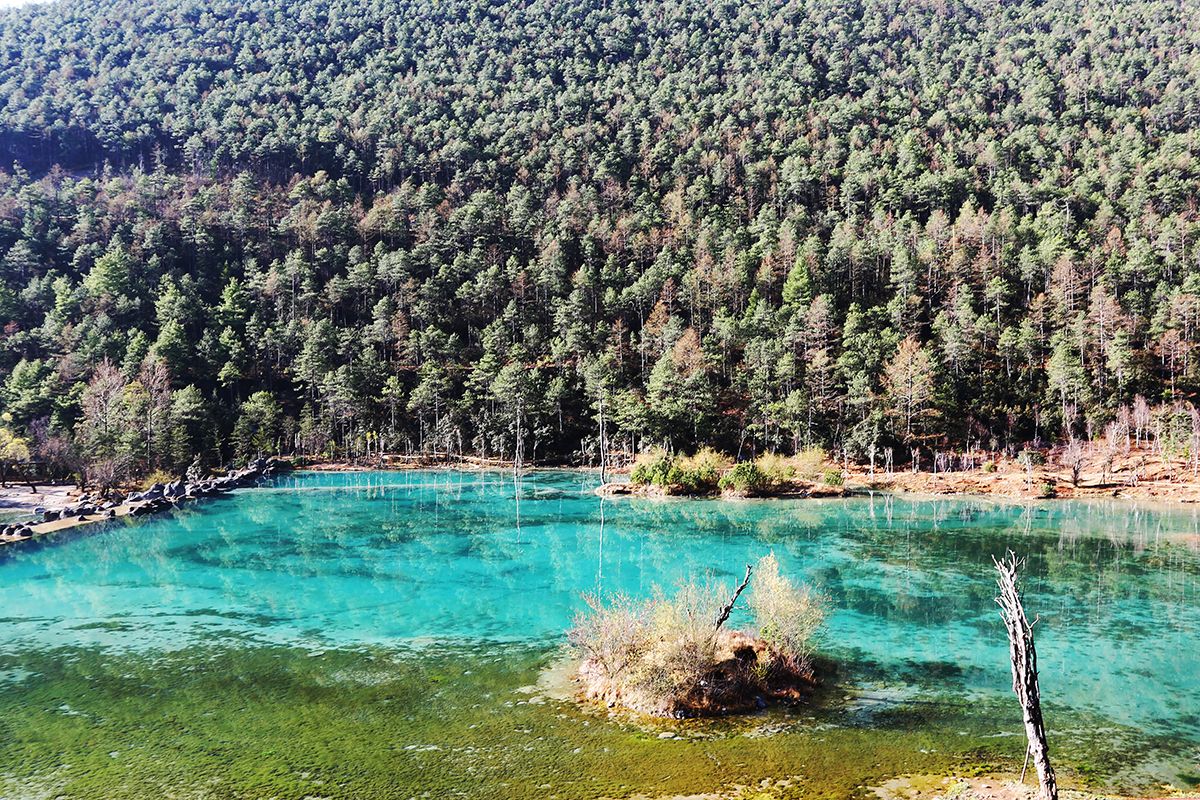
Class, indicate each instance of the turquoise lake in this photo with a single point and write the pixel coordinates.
(398, 634)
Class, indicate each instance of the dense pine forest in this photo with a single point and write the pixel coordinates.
(480, 226)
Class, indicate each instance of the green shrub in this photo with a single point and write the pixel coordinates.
(1047, 490)
(833, 477)
(651, 468)
(989, 466)
(746, 477)
(694, 474)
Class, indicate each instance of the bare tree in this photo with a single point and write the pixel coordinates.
(1072, 458)
(155, 382)
(1023, 655)
(1194, 440)
(1141, 419)
(1116, 436)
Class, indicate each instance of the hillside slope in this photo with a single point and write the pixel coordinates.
(470, 226)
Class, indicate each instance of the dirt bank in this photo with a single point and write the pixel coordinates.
(1139, 473)
(388, 462)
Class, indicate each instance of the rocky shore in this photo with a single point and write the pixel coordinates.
(156, 499)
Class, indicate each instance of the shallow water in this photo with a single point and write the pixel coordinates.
(378, 635)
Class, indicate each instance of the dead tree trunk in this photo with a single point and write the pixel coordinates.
(1024, 670)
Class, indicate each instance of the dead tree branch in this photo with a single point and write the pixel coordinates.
(727, 609)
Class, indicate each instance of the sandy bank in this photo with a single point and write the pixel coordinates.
(1136, 474)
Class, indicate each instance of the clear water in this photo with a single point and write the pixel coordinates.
(377, 634)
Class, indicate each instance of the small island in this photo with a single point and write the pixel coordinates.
(708, 472)
(675, 656)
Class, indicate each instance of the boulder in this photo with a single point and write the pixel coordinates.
(141, 509)
(16, 533)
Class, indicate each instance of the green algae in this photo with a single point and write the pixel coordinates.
(243, 721)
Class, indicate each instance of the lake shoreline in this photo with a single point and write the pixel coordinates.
(1138, 476)
(75, 509)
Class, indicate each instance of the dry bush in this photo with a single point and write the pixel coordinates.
(650, 655)
(788, 616)
(683, 644)
(775, 468)
(614, 636)
(1073, 457)
(157, 476)
(666, 656)
(809, 463)
(107, 474)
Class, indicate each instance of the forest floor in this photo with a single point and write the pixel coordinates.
(1140, 474)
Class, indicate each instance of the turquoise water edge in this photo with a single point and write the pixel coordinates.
(397, 634)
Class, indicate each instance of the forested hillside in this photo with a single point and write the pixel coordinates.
(470, 226)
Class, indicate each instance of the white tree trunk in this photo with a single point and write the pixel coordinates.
(1024, 670)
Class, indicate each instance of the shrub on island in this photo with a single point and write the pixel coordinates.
(674, 657)
(694, 474)
(708, 471)
(746, 478)
(651, 468)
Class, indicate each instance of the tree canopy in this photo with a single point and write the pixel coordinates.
(340, 226)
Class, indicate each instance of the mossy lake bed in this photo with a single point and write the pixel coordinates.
(390, 635)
